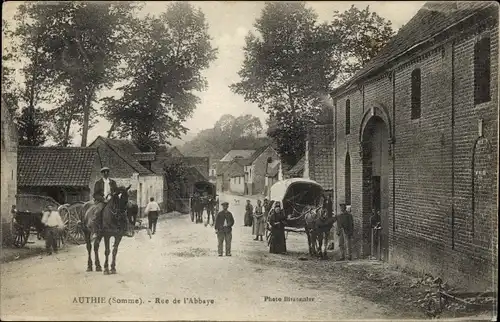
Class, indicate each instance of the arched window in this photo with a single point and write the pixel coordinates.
(348, 116)
(482, 71)
(347, 177)
(415, 94)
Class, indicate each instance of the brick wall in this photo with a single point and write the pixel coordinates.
(439, 213)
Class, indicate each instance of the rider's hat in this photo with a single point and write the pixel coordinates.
(104, 169)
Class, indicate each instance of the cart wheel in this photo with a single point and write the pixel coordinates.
(21, 236)
(72, 228)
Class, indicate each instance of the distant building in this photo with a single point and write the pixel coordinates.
(416, 137)
(236, 174)
(66, 174)
(9, 172)
(255, 168)
(130, 166)
(222, 180)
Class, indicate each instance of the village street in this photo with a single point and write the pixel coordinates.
(180, 262)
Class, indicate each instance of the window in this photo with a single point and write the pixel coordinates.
(415, 94)
(347, 116)
(482, 71)
(347, 177)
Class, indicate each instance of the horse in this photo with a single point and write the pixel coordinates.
(210, 206)
(132, 211)
(318, 226)
(113, 214)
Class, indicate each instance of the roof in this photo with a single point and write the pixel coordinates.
(257, 153)
(55, 166)
(231, 155)
(298, 167)
(235, 169)
(279, 189)
(432, 19)
(126, 149)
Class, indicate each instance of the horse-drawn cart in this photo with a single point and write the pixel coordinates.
(301, 201)
(204, 197)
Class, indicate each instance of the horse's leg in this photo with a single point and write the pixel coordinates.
(308, 233)
(320, 244)
(116, 242)
(325, 243)
(86, 233)
(97, 241)
(106, 254)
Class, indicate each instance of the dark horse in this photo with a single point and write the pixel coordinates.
(318, 226)
(114, 215)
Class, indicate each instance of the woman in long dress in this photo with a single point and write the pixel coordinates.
(277, 220)
(258, 222)
(248, 214)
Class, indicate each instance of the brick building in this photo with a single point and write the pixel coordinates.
(416, 137)
(9, 172)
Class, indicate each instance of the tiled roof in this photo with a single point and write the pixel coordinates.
(298, 168)
(231, 155)
(432, 19)
(55, 166)
(321, 155)
(125, 149)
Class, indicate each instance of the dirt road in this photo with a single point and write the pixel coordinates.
(166, 277)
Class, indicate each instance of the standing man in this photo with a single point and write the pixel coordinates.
(53, 222)
(152, 210)
(103, 189)
(224, 222)
(345, 230)
(248, 214)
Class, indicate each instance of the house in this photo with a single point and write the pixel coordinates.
(255, 168)
(130, 166)
(297, 171)
(318, 159)
(416, 137)
(222, 180)
(272, 176)
(66, 174)
(9, 172)
(236, 175)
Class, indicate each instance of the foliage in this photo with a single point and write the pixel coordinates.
(167, 57)
(175, 173)
(293, 62)
(77, 48)
(228, 133)
(363, 35)
(9, 91)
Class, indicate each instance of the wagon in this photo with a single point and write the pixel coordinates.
(295, 195)
(71, 215)
(27, 217)
(203, 192)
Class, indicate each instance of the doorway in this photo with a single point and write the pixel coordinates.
(376, 183)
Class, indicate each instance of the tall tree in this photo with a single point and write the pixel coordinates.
(287, 69)
(84, 43)
(169, 54)
(293, 62)
(9, 91)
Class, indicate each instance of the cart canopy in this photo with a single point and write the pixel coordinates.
(34, 203)
(205, 186)
(295, 193)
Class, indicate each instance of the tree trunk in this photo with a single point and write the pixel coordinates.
(66, 133)
(111, 129)
(86, 116)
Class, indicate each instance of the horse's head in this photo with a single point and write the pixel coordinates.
(120, 198)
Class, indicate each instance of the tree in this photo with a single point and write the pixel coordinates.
(82, 44)
(9, 92)
(363, 35)
(30, 127)
(293, 62)
(169, 54)
(287, 69)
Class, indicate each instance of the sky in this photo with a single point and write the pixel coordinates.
(229, 22)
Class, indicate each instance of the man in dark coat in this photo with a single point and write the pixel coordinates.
(103, 189)
(345, 230)
(224, 222)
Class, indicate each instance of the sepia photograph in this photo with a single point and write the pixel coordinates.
(249, 161)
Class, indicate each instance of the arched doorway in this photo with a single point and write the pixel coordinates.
(375, 145)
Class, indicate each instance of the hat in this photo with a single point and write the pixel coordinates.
(104, 169)
(225, 203)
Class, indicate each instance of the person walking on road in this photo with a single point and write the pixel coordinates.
(152, 210)
(345, 230)
(258, 222)
(224, 222)
(53, 222)
(248, 214)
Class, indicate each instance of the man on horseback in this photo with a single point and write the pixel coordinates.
(103, 190)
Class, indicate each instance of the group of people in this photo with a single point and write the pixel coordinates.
(263, 216)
